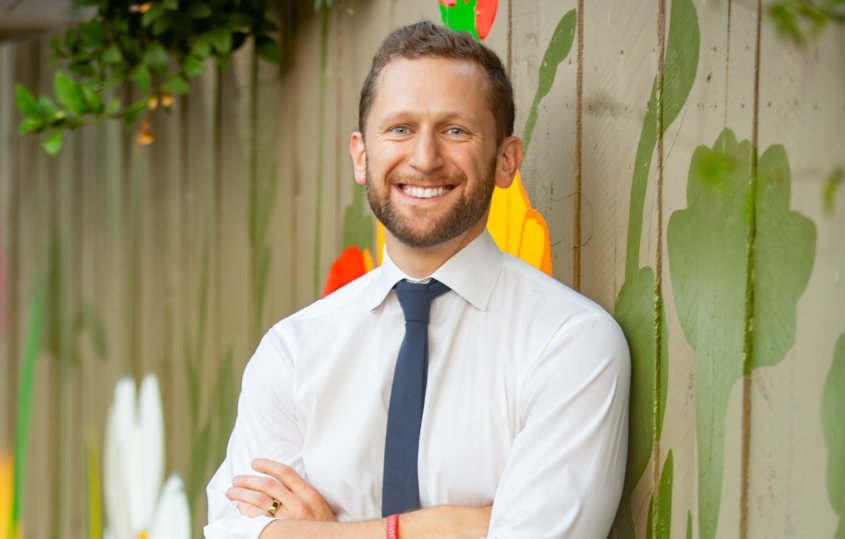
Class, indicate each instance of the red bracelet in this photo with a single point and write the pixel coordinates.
(393, 527)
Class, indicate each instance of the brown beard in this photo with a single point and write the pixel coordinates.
(467, 211)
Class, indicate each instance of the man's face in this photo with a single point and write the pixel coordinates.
(431, 150)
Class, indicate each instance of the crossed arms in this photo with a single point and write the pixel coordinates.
(305, 514)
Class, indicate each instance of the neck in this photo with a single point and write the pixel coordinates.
(421, 262)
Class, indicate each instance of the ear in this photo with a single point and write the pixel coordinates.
(508, 161)
(359, 157)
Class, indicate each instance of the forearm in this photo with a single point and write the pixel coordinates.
(442, 522)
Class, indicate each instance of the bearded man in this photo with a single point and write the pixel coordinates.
(453, 392)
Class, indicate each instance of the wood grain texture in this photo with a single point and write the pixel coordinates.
(802, 109)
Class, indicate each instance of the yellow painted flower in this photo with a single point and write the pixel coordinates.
(6, 486)
(518, 228)
(138, 506)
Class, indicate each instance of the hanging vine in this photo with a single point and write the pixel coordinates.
(154, 46)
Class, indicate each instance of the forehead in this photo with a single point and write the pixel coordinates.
(434, 86)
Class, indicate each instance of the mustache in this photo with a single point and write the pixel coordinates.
(436, 180)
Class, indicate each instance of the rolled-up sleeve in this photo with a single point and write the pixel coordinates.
(563, 477)
(265, 427)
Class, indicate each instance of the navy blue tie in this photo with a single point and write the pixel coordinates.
(401, 486)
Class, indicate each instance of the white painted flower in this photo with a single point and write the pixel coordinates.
(137, 504)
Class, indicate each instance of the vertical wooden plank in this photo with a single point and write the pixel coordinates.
(8, 189)
(699, 124)
(618, 143)
(802, 118)
(543, 34)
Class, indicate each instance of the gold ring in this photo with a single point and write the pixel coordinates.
(274, 507)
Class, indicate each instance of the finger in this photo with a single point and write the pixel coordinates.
(250, 510)
(251, 497)
(285, 474)
(264, 484)
(269, 487)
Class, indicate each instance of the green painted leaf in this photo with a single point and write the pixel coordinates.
(176, 85)
(664, 504)
(708, 259)
(53, 144)
(833, 403)
(26, 102)
(460, 17)
(556, 52)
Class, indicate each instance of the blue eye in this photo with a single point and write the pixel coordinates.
(400, 130)
(456, 131)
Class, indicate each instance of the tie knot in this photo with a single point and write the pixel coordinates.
(415, 298)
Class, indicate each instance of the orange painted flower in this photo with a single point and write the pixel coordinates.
(351, 264)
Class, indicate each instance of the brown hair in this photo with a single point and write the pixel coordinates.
(426, 39)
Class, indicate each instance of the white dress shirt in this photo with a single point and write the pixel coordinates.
(526, 406)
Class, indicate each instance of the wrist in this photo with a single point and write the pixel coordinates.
(392, 527)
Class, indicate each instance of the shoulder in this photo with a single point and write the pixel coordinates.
(542, 293)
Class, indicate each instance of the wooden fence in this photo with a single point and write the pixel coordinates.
(684, 158)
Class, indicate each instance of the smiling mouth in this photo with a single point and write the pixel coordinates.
(425, 192)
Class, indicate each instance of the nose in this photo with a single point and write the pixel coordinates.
(426, 154)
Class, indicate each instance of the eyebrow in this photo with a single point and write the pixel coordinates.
(398, 115)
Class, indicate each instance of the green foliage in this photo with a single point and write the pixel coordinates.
(800, 19)
(156, 46)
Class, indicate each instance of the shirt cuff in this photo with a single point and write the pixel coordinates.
(237, 527)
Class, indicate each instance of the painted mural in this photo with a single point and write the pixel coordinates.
(163, 264)
(833, 402)
(713, 264)
(138, 502)
(639, 304)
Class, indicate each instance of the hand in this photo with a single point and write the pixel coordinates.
(299, 501)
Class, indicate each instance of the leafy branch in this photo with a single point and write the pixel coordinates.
(154, 46)
(798, 19)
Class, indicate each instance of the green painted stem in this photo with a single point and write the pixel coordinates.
(27, 386)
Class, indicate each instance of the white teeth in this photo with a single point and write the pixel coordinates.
(420, 192)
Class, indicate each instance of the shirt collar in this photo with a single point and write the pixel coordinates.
(471, 272)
